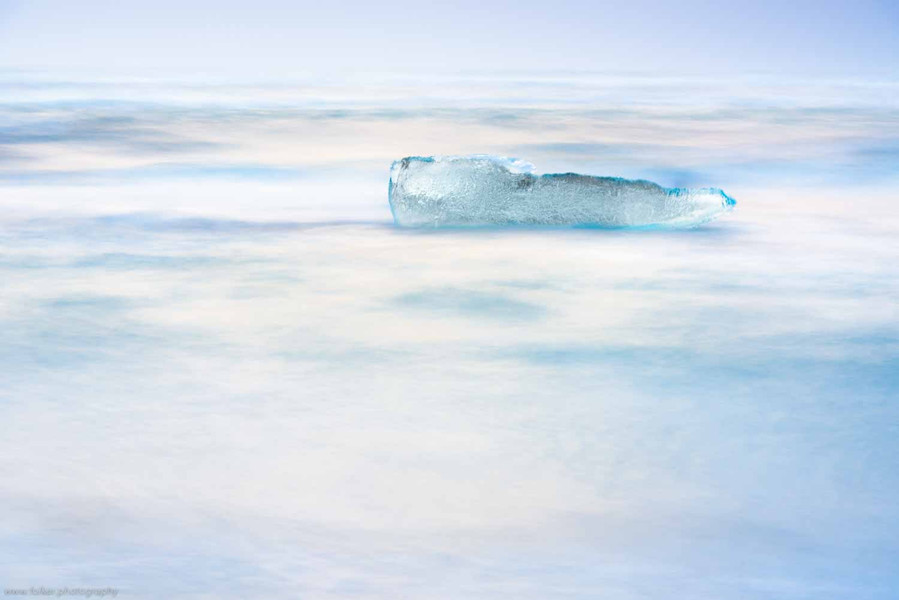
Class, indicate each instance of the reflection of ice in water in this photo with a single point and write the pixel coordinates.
(228, 393)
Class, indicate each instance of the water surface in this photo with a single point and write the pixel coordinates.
(224, 372)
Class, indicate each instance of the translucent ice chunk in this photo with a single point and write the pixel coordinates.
(458, 191)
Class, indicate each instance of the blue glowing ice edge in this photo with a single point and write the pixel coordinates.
(481, 190)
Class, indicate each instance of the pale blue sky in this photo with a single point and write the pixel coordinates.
(277, 37)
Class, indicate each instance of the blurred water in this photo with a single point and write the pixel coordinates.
(224, 372)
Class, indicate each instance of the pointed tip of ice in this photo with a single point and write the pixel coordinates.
(727, 200)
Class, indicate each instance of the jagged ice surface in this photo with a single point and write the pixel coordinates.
(458, 191)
